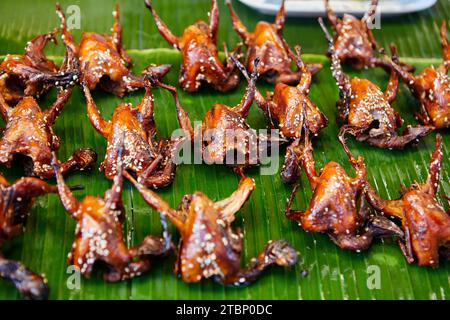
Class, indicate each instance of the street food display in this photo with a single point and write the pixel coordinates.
(346, 207)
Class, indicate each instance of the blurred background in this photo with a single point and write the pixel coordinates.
(333, 273)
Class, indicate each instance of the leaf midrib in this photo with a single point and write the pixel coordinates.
(307, 56)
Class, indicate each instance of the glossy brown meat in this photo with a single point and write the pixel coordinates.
(425, 223)
(292, 109)
(227, 137)
(134, 130)
(367, 112)
(16, 201)
(354, 42)
(209, 247)
(432, 88)
(266, 43)
(32, 73)
(198, 46)
(104, 62)
(29, 137)
(337, 206)
(98, 237)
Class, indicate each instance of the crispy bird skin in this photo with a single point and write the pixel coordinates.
(201, 63)
(226, 135)
(98, 235)
(29, 137)
(354, 42)
(132, 129)
(103, 60)
(425, 223)
(366, 111)
(209, 247)
(33, 74)
(292, 109)
(266, 43)
(337, 206)
(16, 201)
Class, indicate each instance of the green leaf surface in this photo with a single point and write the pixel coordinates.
(332, 272)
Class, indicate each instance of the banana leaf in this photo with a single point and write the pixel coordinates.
(331, 273)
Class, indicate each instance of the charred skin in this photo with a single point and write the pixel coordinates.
(425, 223)
(198, 47)
(98, 237)
(294, 112)
(29, 136)
(337, 206)
(33, 74)
(266, 43)
(131, 131)
(209, 247)
(431, 88)
(104, 62)
(367, 112)
(16, 201)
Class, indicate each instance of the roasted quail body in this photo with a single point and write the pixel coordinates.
(104, 62)
(425, 223)
(227, 137)
(367, 112)
(99, 238)
(267, 44)
(292, 109)
(431, 88)
(134, 129)
(209, 247)
(337, 206)
(201, 63)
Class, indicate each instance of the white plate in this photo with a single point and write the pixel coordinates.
(315, 8)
